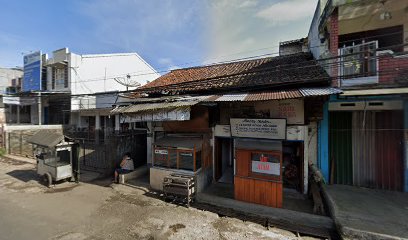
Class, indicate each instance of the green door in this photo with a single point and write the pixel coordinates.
(341, 147)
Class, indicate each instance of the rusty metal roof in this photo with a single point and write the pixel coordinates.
(46, 138)
(146, 107)
(273, 95)
(187, 101)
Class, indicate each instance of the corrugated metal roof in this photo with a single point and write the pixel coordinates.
(238, 97)
(273, 95)
(152, 106)
(231, 98)
(46, 138)
(308, 92)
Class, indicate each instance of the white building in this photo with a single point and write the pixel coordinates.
(94, 81)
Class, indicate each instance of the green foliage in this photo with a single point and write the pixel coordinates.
(2, 151)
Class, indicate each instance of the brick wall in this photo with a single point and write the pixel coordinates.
(334, 43)
(393, 70)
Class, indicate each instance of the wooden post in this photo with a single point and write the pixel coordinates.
(195, 163)
(178, 160)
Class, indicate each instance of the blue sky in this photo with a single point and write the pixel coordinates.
(166, 33)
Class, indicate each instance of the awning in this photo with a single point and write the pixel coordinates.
(22, 101)
(93, 111)
(273, 95)
(46, 138)
(149, 107)
(186, 142)
(380, 91)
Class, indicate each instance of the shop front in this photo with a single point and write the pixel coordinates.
(258, 160)
(261, 152)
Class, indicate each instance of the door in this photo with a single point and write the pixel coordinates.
(341, 147)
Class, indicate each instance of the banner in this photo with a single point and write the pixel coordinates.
(32, 72)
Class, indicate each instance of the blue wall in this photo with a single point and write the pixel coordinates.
(323, 143)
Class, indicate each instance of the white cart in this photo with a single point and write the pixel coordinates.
(54, 156)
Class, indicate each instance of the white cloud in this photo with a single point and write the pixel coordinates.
(288, 11)
(240, 30)
(168, 62)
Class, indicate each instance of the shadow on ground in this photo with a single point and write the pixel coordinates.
(25, 175)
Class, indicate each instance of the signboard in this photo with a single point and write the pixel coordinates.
(161, 151)
(32, 72)
(222, 131)
(258, 128)
(291, 109)
(266, 167)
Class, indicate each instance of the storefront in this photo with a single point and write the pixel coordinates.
(366, 137)
(260, 152)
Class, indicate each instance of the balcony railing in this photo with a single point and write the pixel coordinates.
(358, 64)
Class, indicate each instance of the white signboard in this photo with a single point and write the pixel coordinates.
(23, 101)
(258, 128)
(222, 131)
(161, 151)
(266, 168)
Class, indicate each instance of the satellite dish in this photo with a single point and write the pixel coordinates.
(127, 81)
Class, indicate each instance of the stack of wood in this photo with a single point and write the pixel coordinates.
(179, 187)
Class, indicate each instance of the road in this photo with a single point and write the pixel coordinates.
(99, 210)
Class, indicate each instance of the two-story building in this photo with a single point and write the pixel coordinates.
(363, 136)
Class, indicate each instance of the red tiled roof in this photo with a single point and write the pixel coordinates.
(296, 68)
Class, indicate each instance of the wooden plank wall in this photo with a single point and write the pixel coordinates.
(258, 191)
(254, 188)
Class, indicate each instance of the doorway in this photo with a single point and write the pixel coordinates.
(224, 169)
(293, 165)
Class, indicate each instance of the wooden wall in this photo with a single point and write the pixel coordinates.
(257, 191)
(256, 188)
(198, 124)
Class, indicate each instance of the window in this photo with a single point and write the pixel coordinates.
(174, 158)
(60, 78)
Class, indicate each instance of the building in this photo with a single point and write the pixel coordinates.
(73, 91)
(363, 134)
(10, 82)
(244, 124)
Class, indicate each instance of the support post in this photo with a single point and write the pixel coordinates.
(117, 123)
(97, 126)
(406, 146)
(39, 109)
(18, 114)
(149, 142)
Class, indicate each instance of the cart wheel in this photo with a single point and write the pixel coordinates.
(47, 179)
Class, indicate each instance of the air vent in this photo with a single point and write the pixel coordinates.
(375, 103)
(347, 104)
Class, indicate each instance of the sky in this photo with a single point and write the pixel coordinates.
(168, 34)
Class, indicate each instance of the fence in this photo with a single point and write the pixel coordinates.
(105, 155)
